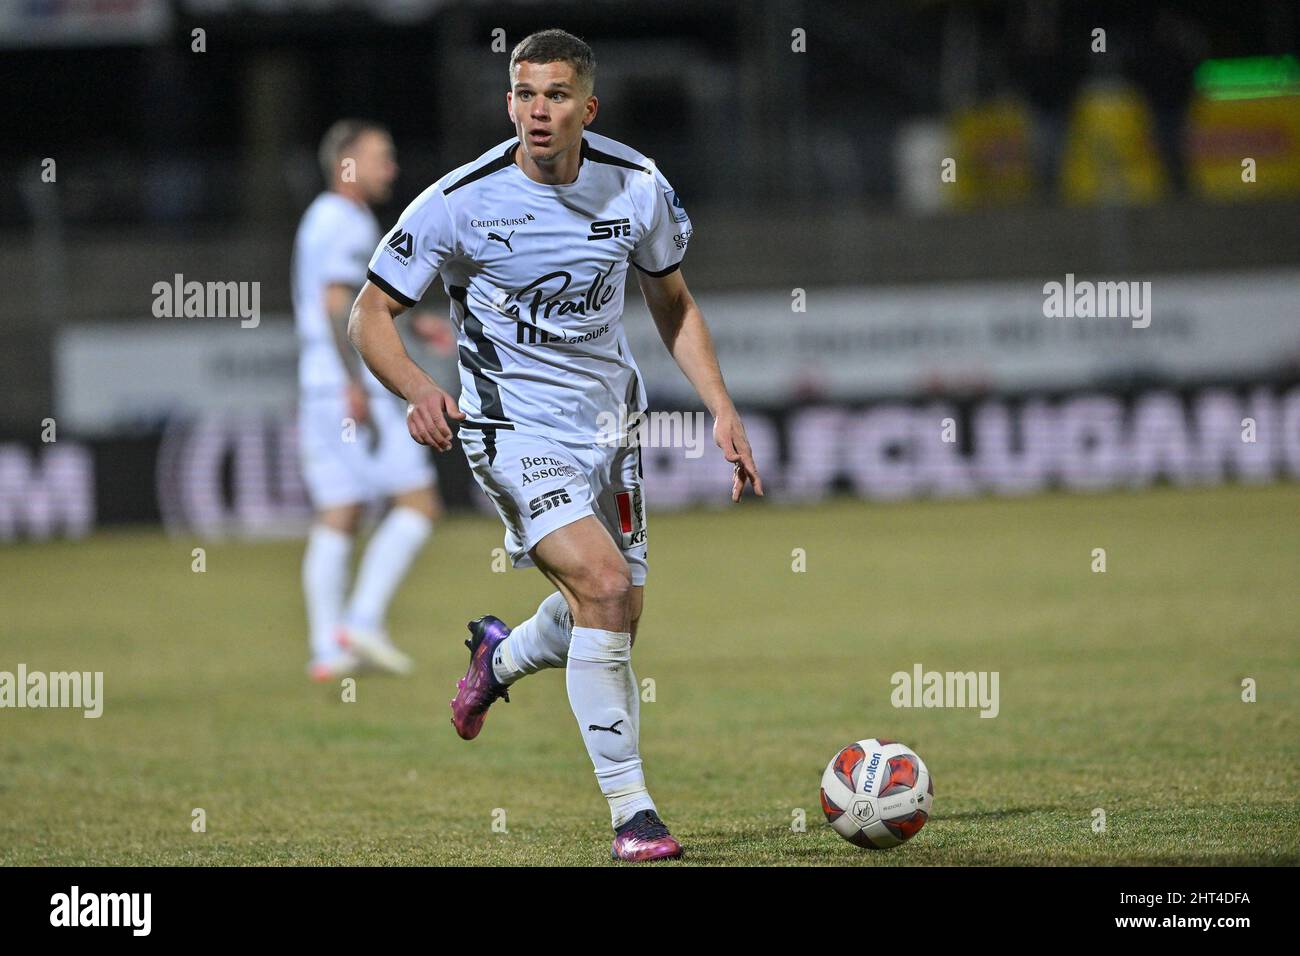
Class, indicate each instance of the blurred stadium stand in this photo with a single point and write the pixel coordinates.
(813, 169)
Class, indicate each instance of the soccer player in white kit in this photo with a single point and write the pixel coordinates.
(533, 241)
(352, 433)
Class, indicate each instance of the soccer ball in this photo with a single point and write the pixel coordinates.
(877, 793)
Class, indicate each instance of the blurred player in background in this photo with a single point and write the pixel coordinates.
(352, 432)
(534, 241)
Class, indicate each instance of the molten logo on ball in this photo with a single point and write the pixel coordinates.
(898, 808)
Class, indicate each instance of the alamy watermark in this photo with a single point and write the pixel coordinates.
(129, 910)
(1086, 299)
(81, 690)
(179, 299)
(922, 688)
(628, 429)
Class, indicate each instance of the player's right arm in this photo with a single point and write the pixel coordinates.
(401, 269)
(373, 331)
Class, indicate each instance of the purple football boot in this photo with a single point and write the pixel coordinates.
(479, 687)
(645, 837)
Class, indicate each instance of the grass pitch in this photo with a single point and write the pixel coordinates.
(1119, 690)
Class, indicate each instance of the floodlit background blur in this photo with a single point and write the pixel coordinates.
(880, 193)
(902, 213)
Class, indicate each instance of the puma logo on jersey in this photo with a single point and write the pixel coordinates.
(501, 239)
(610, 728)
(610, 228)
(551, 499)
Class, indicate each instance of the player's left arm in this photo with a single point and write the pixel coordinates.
(681, 325)
(338, 308)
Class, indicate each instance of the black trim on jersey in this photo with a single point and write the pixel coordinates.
(662, 272)
(596, 156)
(388, 287)
(489, 430)
(482, 361)
(507, 159)
(504, 161)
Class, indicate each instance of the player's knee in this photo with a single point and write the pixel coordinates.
(344, 518)
(607, 588)
(425, 501)
(616, 588)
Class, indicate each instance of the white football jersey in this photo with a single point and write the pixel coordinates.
(333, 245)
(536, 275)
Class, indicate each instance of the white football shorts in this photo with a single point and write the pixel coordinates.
(539, 485)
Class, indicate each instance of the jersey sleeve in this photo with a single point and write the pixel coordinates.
(662, 246)
(409, 256)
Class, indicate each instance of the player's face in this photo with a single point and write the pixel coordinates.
(376, 159)
(549, 109)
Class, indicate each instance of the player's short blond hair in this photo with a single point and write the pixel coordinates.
(338, 139)
(551, 46)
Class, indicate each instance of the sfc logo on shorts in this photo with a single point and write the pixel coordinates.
(545, 502)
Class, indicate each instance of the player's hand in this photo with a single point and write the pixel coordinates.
(429, 415)
(729, 433)
(358, 403)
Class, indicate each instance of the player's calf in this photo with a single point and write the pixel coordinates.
(540, 642)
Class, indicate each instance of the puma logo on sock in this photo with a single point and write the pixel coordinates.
(610, 728)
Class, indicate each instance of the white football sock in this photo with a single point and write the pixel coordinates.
(388, 557)
(603, 695)
(541, 641)
(324, 582)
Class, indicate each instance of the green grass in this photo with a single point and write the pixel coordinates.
(1119, 690)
